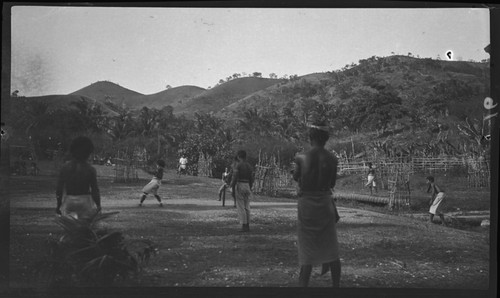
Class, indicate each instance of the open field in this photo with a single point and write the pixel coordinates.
(199, 245)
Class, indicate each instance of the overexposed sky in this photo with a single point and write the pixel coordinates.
(144, 49)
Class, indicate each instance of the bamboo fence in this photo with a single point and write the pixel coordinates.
(270, 177)
(205, 166)
(427, 164)
(126, 170)
(399, 189)
(394, 175)
(478, 173)
(389, 171)
(438, 164)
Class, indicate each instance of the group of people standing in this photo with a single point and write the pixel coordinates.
(315, 171)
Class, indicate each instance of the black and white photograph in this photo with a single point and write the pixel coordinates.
(244, 150)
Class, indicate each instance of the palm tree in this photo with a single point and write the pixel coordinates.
(94, 115)
(122, 125)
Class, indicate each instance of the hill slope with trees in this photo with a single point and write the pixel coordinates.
(390, 106)
(215, 99)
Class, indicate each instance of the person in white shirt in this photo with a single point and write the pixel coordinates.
(182, 164)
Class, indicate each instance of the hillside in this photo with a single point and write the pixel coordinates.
(215, 99)
(461, 86)
(104, 91)
(58, 102)
(398, 104)
(269, 99)
(172, 96)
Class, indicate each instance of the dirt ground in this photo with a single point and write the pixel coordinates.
(200, 246)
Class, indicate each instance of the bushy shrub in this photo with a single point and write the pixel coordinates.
(89, 255)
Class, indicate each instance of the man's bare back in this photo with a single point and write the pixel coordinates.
(316, 170)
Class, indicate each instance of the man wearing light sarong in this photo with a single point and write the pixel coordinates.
(77, 193)
(241, 185)
(437, 197)
(315, 172)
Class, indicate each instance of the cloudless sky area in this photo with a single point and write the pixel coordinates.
(146, 49)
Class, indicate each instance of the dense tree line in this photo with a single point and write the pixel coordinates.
(357, 99)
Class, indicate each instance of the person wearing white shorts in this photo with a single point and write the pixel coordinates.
(371, 178)
(155, 183)
(182, 164)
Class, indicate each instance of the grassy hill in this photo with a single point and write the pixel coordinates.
(217, 98)
(460, 85)
(104, 91)
(429, 99)
(433, 97)
(173, 96)
(184, 99)
(108, 92)
(58, 102)
(272, 98)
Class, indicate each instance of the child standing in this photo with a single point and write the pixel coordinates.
(222, 189)
(371, 178)
(154, 184)
(437, 198)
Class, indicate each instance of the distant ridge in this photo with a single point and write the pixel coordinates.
(460, 85)
(215, 99)
(61, 102)
(170, 96)
(417, 81)
(103, 91)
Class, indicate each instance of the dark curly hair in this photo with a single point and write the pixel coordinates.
(81, 148)
(242, 154)
(318, 135)
(161, 163)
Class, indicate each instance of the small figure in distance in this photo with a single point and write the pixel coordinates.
(371, 178)
(225, 184)
(437, 197)
(183, 161)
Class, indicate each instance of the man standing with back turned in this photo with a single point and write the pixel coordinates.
(241, 184)
(316, 171)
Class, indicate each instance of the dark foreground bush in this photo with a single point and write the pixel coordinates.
(89, 255)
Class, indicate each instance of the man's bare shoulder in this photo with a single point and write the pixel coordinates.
(322, 152)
